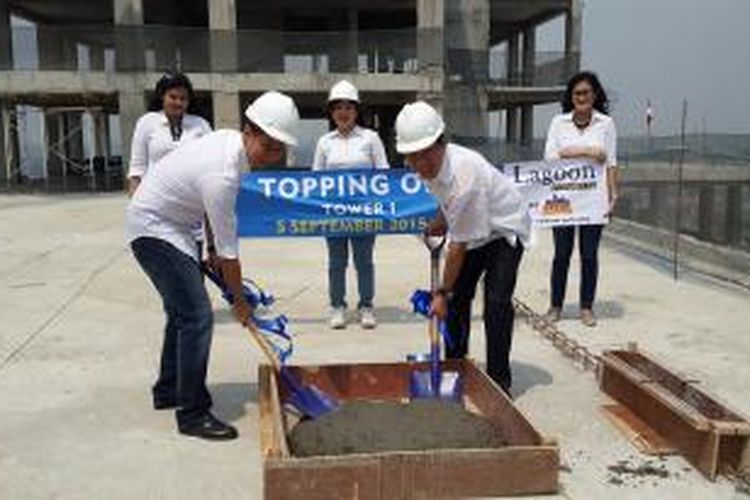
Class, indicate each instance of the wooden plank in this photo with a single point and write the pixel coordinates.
(470, 473)
(681, 387)
(322, 478)
(272, 436)
(685, 411)
(428, 474)
(695, 445)
(638, 432)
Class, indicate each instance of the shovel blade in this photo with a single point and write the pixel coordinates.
(421, 386)
(309, 400)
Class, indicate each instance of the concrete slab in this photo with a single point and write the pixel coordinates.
(80, 332)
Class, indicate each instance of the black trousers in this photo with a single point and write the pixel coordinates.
(588, 247)
(498, 261)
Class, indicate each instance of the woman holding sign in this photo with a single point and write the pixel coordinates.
(349, 145)
(583, 130)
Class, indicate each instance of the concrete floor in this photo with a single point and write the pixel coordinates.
(80, 337)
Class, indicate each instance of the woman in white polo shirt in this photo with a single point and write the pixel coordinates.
(349, 145)
(583, 130)
(167, 125)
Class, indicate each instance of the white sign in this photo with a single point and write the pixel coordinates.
(562, 192)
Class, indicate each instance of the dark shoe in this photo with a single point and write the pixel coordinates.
(162, 403)
(208, 427)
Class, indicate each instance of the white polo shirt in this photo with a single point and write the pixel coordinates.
(599, 133)
(480, 204)
(152, 139)
(200, 177)
(361, 148)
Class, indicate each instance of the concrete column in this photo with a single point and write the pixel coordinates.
(734, 214)
(226, 110)
(430, 32)
(512, 124)
(4, 171)
(53, 125)
(6, 52)
(573, 24)
(74, 136)
(222, 21)
(130, 45)
(706, 203)
(222, 16)
(132, 104)
(430, 46)
(467, 30)
(513, 61)
(101, 134)
(527, 125)
(529, 56)
(10, 164)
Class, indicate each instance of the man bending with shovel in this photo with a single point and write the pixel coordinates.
(201, 179)
(487, 225)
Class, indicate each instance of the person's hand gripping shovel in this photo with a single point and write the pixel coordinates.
(434, 383)
(308, 400)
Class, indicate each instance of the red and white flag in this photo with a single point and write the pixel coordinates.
(649, 114)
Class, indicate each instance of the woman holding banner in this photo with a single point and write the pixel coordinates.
(583, 130)
(349, 145)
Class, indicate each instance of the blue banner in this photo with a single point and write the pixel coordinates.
(333, 203)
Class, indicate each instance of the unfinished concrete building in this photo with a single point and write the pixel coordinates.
(87, 68)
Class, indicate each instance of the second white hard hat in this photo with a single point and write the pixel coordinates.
(276, 115)
(343, 91)
(418, 126)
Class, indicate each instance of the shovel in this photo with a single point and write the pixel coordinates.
(435, 383)
(309, 400)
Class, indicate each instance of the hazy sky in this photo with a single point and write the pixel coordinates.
(667, 50)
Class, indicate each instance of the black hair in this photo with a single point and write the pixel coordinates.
(601, 103)
(172, 80)
(360, 120)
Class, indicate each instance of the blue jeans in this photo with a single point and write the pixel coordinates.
(588, 247)
(338, 259)
(187, 335)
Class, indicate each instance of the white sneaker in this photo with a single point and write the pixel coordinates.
(367, 318)
(338, 318)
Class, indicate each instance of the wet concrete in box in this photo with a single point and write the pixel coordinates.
(379, 426)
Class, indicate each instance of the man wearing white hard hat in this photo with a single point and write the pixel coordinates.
(198, 182)
(349, 145)
(487, 225)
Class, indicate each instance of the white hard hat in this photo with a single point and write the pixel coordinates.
(343, 91)
(418, 126)
(276, 115)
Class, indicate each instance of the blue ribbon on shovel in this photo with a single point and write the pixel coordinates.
(273, 328)
(420, 301)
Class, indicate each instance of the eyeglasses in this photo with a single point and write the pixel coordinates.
(583, 92)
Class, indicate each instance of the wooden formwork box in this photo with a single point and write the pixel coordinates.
(661, 403)
(528, 465)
